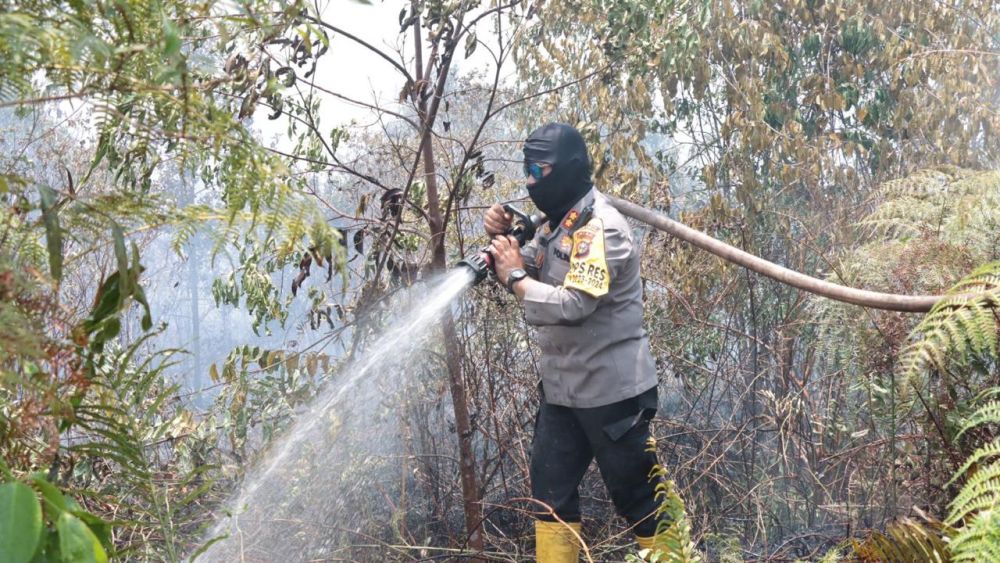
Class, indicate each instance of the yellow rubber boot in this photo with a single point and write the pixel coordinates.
(646, 545)
(556, 542)
(645, 542)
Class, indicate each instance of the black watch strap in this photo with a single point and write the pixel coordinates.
(512, 279)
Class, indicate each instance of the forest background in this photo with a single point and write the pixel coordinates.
(193, 242)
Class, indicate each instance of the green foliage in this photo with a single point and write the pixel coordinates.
(20, 522)
(905, 540)
(971, 531)
(262, 387)
(42, 525)
(265, 243)
(81, 392)
(53, 234)
(603, 65)
(165, 105)
(924, 232)
(127, 415)
(672, 542)
(975, 511)
(951, 204)
(77, 542)
(960, 331)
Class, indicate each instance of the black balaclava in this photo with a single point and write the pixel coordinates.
(560, 146)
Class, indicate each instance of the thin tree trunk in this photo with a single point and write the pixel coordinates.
(463, 424)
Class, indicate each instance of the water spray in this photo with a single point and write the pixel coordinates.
(522, 228)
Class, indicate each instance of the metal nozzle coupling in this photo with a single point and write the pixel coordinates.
(522, 227)
(481, 263)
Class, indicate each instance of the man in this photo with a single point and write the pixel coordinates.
(579, 283)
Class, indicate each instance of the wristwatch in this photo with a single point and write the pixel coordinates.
(515, 275)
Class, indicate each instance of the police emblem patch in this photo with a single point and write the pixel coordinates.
(583, 244)
(588, 265)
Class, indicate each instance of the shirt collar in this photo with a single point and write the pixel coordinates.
(569, 220)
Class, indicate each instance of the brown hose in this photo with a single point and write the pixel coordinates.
(873, 299)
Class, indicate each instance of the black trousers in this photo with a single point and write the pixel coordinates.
(567, 439)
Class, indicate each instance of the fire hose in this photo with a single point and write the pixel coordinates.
(523, 228)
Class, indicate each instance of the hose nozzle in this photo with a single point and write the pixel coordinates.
(481, 264)
(522, 228)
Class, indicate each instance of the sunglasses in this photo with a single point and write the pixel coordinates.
(534, 169)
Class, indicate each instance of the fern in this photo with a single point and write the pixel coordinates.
(672, 543)
(931, 225)
(923, 232)
(959, 329)
(903, 542)
(126, 415)
(976, 508)
(947, 202)
(979, 539)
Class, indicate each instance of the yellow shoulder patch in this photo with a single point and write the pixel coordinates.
(588, 265)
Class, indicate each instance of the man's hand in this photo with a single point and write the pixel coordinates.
(506, 256)
(496, 220)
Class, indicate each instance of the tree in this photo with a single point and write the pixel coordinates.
(141, 86)
(787, 115)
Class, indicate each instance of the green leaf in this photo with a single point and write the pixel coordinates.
(53, 234)
(122, 256)
(77, 543)
(20, 523)
(56, 502)
(100, 527)
(137, 292)
(107, 300)
(171, 39)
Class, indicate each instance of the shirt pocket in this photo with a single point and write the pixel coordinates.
(556, 269)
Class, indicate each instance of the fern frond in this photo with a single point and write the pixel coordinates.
(904, 541)
(672, 542)
(990, 450)
(982, 485)
(979, 539)
(958, 329)
(977, 505)
(988, 413)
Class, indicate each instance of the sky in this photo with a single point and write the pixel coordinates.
(352, 70)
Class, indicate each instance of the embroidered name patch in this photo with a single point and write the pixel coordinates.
(588, 265)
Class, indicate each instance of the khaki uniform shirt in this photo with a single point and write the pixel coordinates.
(589, 314)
